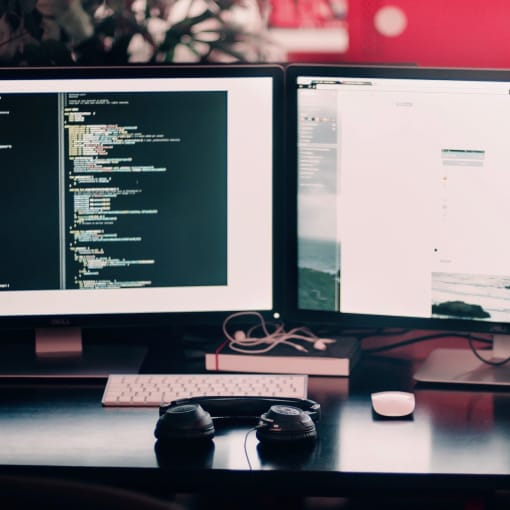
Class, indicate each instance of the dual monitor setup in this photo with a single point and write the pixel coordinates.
(354, 196)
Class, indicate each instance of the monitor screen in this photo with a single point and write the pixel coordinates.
(137, 192)
(402, 196)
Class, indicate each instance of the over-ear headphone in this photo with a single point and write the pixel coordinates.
(279, 421)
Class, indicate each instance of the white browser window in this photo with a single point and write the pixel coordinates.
(422, 194)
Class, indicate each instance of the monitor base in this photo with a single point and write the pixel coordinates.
(461, 366)
(94, 361)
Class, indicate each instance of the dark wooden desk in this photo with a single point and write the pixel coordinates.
(458, 440)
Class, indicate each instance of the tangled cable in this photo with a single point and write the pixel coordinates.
(247, 342)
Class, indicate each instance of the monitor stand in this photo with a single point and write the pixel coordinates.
(61, 353)
(461, 366)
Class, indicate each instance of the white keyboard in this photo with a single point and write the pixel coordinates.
(153, 390)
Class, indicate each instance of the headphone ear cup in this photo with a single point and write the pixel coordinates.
(187, 422)
(284, 424)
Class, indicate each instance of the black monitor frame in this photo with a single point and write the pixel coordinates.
(342, 320)
(65, 322)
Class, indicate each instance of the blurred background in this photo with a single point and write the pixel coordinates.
(453, 33)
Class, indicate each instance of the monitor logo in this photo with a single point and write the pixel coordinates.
(60, 322)
(499, 328)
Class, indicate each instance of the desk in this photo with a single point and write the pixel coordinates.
(458, 440)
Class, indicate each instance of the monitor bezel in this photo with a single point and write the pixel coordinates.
(343, 320)
(173, 318)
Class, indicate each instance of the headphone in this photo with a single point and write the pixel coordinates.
(280, 421)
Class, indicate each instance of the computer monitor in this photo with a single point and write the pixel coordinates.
(137, 194)
(402, 200)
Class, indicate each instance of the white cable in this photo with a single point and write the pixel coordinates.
(248, 343)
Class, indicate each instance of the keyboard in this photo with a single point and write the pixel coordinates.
(153, 390)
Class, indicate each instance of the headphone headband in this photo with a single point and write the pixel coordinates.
(245, 407)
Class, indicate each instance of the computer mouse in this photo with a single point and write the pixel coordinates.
(393, 404)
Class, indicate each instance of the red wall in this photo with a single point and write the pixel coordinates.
(454, 33)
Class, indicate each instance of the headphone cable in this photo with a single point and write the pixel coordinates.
(245, 446)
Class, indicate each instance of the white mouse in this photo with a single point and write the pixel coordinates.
(393, 404)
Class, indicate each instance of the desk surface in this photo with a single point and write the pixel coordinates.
(457, 439)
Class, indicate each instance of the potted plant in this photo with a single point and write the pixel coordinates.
(117, 32)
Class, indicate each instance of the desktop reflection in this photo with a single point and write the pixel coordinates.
(386, 445)
(471, 430)
(231, 440)
(225, 451)
(289, 456)
(184, 456)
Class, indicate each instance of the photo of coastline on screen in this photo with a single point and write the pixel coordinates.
(318, 248)
(471, 296)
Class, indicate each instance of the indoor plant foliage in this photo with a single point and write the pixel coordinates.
(63, 32)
